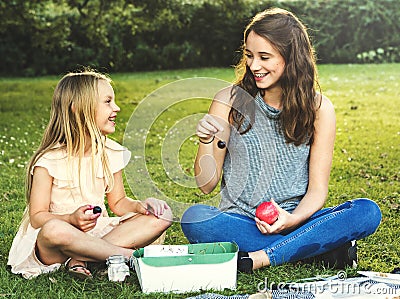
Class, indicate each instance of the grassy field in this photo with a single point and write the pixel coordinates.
(366, 164)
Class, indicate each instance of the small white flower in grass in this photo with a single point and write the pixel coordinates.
(53, 280)
(11, 161)
(12, 138)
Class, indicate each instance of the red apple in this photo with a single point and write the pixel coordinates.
(267, 212)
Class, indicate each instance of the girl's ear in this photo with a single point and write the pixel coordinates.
(73, 108)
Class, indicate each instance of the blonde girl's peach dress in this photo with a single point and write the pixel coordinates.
(69, 192)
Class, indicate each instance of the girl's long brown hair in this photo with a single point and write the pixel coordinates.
(299, 79)
(71, 126)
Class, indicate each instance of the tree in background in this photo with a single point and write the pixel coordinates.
(51, 37)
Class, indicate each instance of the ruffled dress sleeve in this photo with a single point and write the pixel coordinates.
(118, 155)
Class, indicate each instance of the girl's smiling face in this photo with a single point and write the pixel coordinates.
(264, 61)
(107, 109)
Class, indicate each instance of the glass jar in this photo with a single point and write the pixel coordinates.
(117, 268)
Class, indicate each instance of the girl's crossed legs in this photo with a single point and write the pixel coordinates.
(326, 230)
(58, 240)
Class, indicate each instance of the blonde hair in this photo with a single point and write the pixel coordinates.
(72, 124)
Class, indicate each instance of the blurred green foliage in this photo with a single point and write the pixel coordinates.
(389, 54)
(50, 37)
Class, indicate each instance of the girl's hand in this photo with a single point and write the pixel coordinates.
(81, 220)
(207, 127)
(285, 221)
(153, 206)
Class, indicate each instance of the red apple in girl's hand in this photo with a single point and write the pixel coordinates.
(267, 212)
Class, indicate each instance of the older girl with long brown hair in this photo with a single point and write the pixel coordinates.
(270, 137)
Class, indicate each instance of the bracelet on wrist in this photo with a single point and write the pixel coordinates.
(207, 141)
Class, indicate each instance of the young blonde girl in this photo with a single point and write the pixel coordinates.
(72, 171)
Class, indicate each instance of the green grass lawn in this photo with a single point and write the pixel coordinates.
(366, 164)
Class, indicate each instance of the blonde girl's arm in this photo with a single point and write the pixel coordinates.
(39, 204)
(39, 201)
(213, 127)
(120, 204)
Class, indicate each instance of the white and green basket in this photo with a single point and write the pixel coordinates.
(186, 268)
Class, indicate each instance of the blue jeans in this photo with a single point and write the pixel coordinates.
(325, 230)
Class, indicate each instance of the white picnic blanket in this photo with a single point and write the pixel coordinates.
(375, 285)
(372, 285)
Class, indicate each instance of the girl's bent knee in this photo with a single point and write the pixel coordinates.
(161, 223)
(199, 213)
(165, 220)
(370, 210)
(368, 207)
(55, 232)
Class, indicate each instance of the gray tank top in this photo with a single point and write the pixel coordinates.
(260, 165)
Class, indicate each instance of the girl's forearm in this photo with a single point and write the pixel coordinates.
(311, 203)
(206, 169)
(38, 219)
